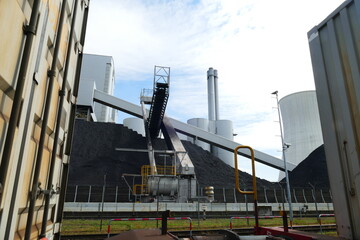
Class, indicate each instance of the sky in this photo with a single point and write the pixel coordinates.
(257, 46)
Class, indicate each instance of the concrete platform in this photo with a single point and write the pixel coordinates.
(149, 234)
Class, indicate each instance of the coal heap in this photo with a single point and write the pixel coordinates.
(312, 170)
(93, 155)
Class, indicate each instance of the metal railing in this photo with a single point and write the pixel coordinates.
(237, 184)
(319, 220)
(93, 193)
(149, 219)
(250, 217)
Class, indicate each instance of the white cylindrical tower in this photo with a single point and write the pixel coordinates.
(224, 128)
(135, 124)
(211, 94)
(301, 122)
(203, 124)
(216, 90)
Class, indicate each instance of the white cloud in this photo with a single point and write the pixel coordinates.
(258, 46)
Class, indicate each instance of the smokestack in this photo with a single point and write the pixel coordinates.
(216, 94)
(211, 94)
(213, 101)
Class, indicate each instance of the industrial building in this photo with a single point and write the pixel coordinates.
(40, 64)
(301, 122)
(214, 124)
(97, 72)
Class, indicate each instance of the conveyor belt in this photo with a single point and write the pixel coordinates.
(157, 109)
(191, 131)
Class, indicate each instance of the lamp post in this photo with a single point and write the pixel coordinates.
(284, 147)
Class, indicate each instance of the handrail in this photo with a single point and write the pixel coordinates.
(323, 215)
(148, 219)
(237, 184)
(247, 217)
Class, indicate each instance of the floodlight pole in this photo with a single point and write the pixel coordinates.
(284, 147)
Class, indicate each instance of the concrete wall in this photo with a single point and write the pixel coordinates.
(14, 15)
(189, 207)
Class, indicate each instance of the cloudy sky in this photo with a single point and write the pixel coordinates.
(257, 46)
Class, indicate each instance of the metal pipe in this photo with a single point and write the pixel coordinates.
(57, 124)
(65, 170)
(39, 156)
(284, 147)
(30, 32)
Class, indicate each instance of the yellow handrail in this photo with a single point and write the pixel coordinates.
(237, 184)
(254, 191)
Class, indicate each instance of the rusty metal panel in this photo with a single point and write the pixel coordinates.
(335, 53)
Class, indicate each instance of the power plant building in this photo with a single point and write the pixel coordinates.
(213, 124)
(302, 128)
(97, 72)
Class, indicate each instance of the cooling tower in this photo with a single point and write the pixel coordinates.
(301, 122)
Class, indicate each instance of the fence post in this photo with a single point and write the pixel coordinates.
(295, 195)
(89, 193)
(266, 199)
(235, 195)
(76, 189)
(304, 195)
(165, 215)
(247, 208)
(102, 202)
(322, 196)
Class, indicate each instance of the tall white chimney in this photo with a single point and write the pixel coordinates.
(216, 95)
(211, 94)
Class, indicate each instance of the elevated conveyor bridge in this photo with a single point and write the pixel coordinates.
(191, 131)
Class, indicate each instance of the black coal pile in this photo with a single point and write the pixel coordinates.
(94, 155)
(312, 170)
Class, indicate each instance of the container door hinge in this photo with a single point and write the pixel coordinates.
(49, 192)
(51, 73)
(85, 3)
(78, 48)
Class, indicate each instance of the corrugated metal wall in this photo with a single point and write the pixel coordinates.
(19, 172)
(335, 54)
